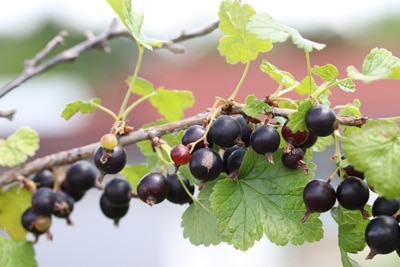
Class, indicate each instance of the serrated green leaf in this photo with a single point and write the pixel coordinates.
(17, 253)
(350, 109)
(347, 86)
(374, 149)
(328, 72)
(347, 261)
(297, 118)
(351, 229)
(134, 172)
(254, 107)
(199, 223)
(18, 147)
(13, 203)
(378, 64)
(83, 107)
(133, 20)
(266, 28)
(171, 103)
(281, 77)
(238, 45)
(306, 87)
(141, 86)
(266, 199)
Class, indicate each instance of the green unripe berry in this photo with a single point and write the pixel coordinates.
(108, 141)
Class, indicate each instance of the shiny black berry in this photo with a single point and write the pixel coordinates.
(110, 162)
(177, 192)
(225, 131)
(118, 191)
(318, 196)
(44, 178)
(205, 164)
(265, 140)
(352, 193)
(111, 211)
(153, 188)
(81, 176)
(43, 201)
(320, 120)
(382, 235)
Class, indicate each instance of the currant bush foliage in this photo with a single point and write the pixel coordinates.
(264, 199)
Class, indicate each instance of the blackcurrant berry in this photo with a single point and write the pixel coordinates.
(225, 156)
(225, 131)
(320, 120)
(385, 206)
(43, 201)
(247, 129)
(382, 235)
(111, 211)
(118, 191)
(352, 193)
(318, 196)
(35, 223)
(265, 140)
(44, 178)
(293, 138)
(205, 164)
(311, 140)
(76, 195)
(110, 162)
(177, 193)
(64, 205)
(235, 159)
(180, 154)
(295, 160)
(153, 188)
(194, 133)
(81, 176)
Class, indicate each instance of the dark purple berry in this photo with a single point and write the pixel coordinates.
(265, 140)
(205, 164)
(177, 193)
(111, 211)
(43, 201)
(382, 235)
(225, 131)
(352, 193)
(44, 178)
(118, 191)
(153, 188)
(81, 176)
(194, 133)
(318, 196)
(320, 120)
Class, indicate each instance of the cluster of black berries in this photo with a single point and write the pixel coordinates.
(52, 199)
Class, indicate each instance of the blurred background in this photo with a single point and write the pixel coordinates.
(152, 236)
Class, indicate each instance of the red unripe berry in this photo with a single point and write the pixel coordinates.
(180, 154)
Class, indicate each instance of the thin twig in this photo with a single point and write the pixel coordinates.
(85, 152)
(8, 114)
(35, 66)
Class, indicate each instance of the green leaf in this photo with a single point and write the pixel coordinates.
(254, 107)
(171, 103)
(134, 172)
(347, 261)
(17, 253)
(198, 222)
(266, 199)
(13, 203)
(281, 77)
(238, 44)
(83, 107)
(328, 72)
(274, 31)
(350, 109)
(141, 86)
(297, 118)
(307, 86)
(133, 20)
(375, 150)
(351, 229)
(378, 64)
(18, 147)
